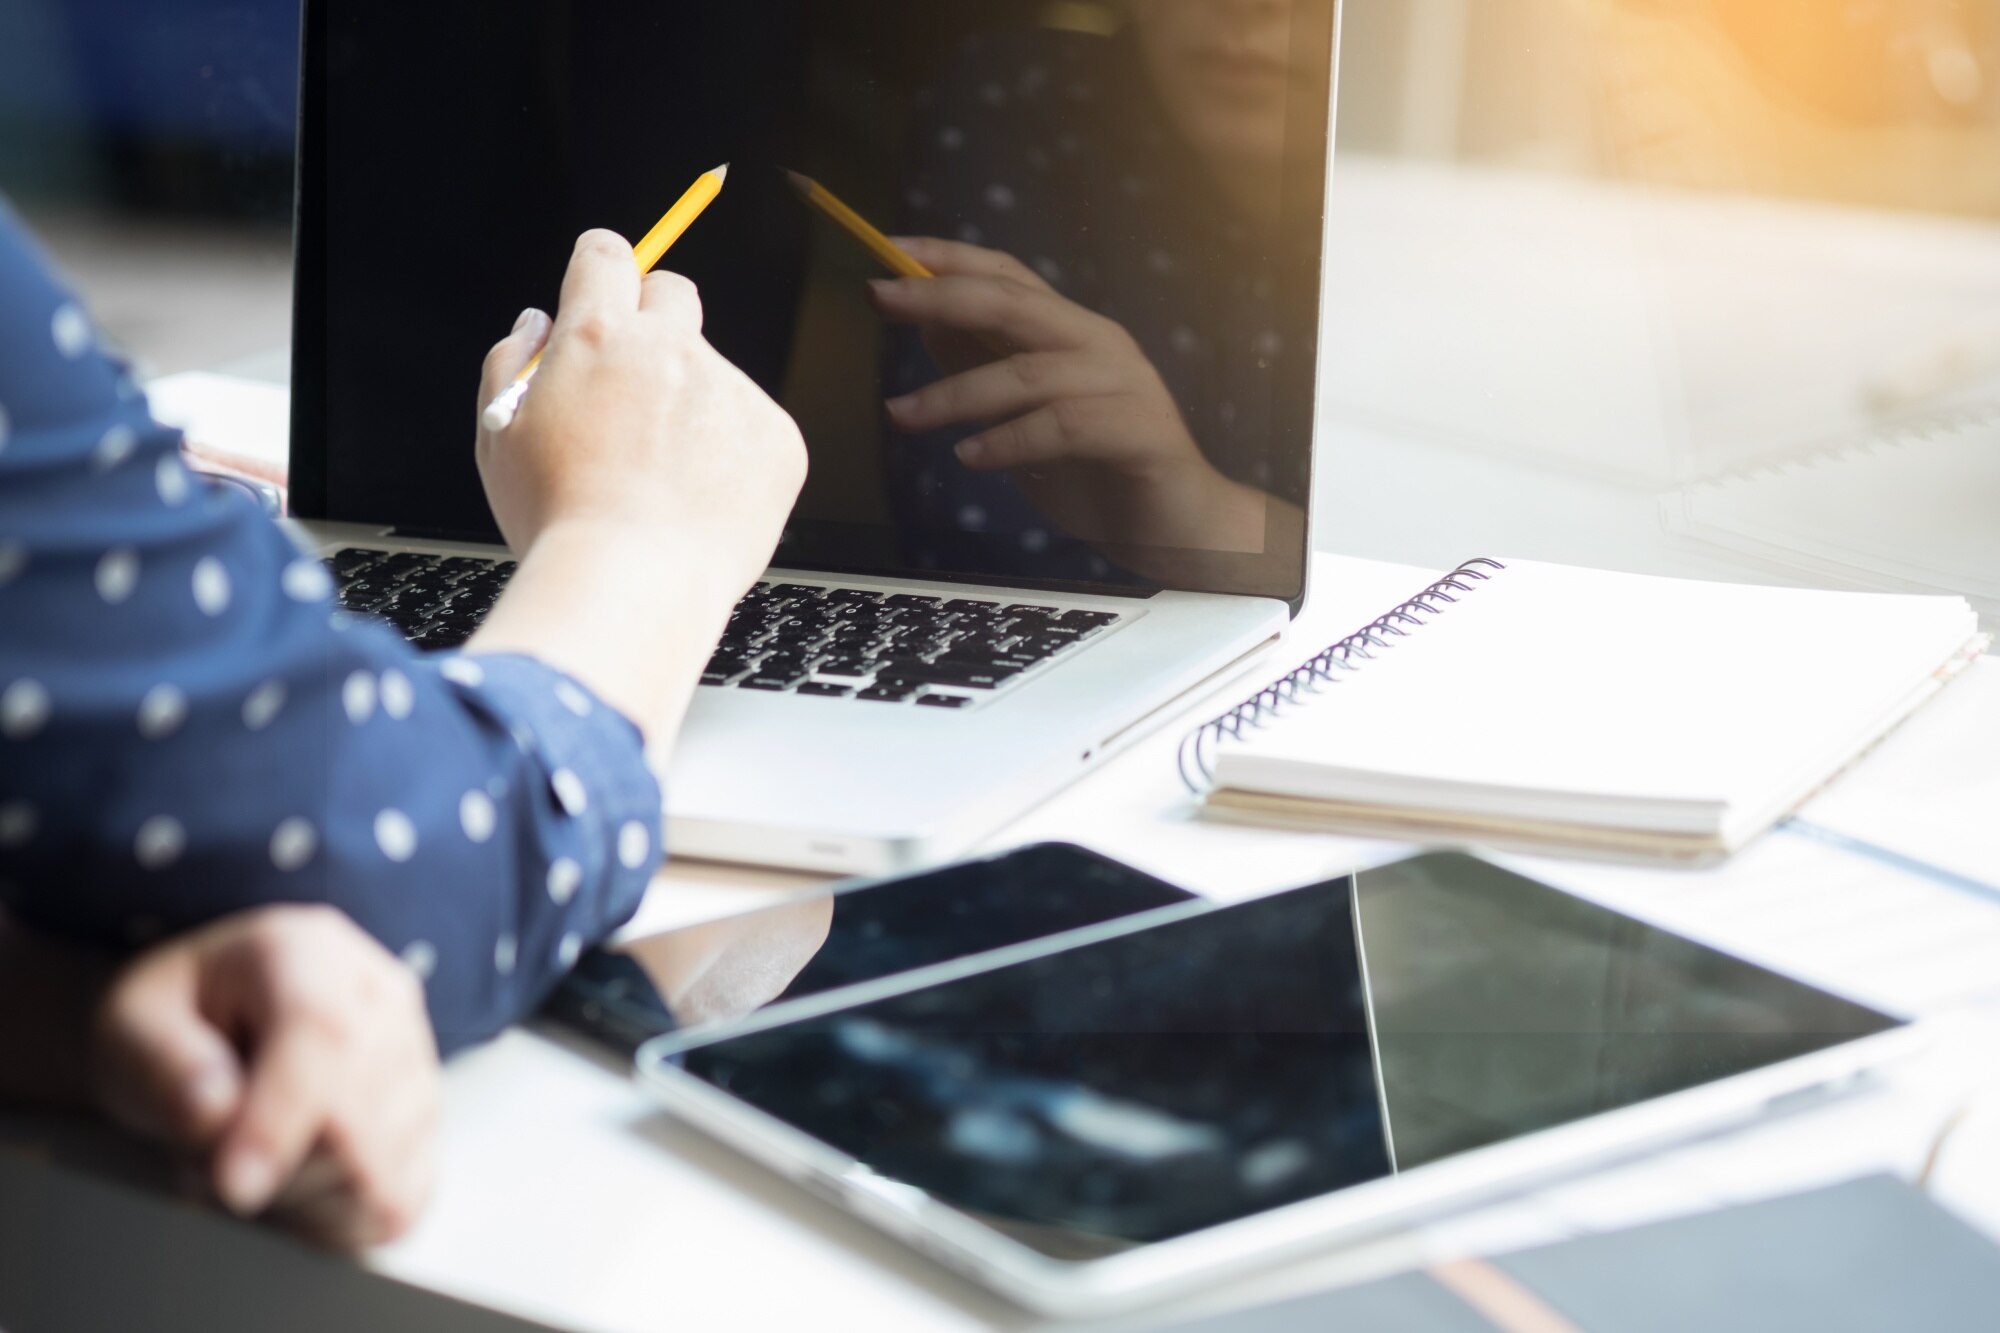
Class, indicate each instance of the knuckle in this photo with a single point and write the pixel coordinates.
(592, 330)
(1030, 372)
(1067, 419)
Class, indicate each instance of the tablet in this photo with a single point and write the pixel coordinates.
(1115, 1114)
(692, 977)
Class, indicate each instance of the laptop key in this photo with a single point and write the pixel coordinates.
(828, 689)
(351, 560)
(774, 683)
(944, 701)
(888, 694)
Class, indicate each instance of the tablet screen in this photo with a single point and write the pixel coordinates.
(1209, 1067)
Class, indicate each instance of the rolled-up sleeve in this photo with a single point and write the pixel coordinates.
(188, 727)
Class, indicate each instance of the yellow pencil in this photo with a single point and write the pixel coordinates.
(652, 247)
(893, 256)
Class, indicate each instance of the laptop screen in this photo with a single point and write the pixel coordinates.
(1127, 194)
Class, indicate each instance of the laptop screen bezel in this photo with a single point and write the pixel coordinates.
(1303, 230)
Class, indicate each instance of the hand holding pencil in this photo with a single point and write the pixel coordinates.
(652, 247)
(638, 434)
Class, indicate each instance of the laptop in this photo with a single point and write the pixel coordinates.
(935, 648)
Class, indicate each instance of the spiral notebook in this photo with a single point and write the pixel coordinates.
(1551, 708)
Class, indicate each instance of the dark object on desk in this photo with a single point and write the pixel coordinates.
(875, 931)
(1861, 1257)
(81, 1254)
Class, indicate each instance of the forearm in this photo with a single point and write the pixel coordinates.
(634, 615)
(48, 995)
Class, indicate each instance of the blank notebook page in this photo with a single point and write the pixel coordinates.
(1554, 692)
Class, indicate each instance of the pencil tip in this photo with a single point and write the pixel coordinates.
(721, 173)
(800, 181)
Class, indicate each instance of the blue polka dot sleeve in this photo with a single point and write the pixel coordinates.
(187, 728)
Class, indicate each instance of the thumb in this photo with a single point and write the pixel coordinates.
(511, 355)
(164, 1070)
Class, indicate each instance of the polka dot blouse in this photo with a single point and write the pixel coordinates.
(188, 728)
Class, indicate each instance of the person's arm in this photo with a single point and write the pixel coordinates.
(186, 730)
(283, 1049)
(645, 480)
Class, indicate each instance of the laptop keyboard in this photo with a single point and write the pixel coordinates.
(797, 638)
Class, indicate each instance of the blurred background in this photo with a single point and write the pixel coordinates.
(1705, 287)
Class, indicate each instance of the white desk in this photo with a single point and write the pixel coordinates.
(565, 1196)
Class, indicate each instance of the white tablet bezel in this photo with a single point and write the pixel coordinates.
(1156, 1272)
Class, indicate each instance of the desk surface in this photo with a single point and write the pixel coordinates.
(565, 1196)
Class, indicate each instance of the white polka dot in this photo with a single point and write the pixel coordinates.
(421, 958)
(114, 448)
(71, 329)
(992, 94)
(263, 704)
(160, 842)
(1051, 271)
(505, 950)
(18, 822)
(117, 574)
(1185, 340)
(1267, 344)
(524, 739)
(1160, 261)
(357, 697)
(568, 950)
(565, 878)
(462, 671)
(569, 791)
(972, 518)
(918, 198)
(999, 198)
(971, 234)
(476, 815)
(634, 844)
(395, 835)
(951, 138)
(161, 712)
(211, 586)
(171, 480)
(293, 843)
(306, 580)
(1035, 540)
(573, 698)
(397, 696)
(13, 559)
(341, 622)
(24, 709)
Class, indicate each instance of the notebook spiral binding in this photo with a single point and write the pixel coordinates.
(1273, 699)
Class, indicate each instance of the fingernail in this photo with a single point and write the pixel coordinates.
(249, 1179)
(900, 407)
(969, 451)
(528, 317)
(882, 286)
(212, 1092)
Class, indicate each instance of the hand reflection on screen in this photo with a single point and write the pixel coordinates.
(1075, 410)
(725, 969)
(1106, 350)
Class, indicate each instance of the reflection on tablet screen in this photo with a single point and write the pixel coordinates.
(1146, 1086)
